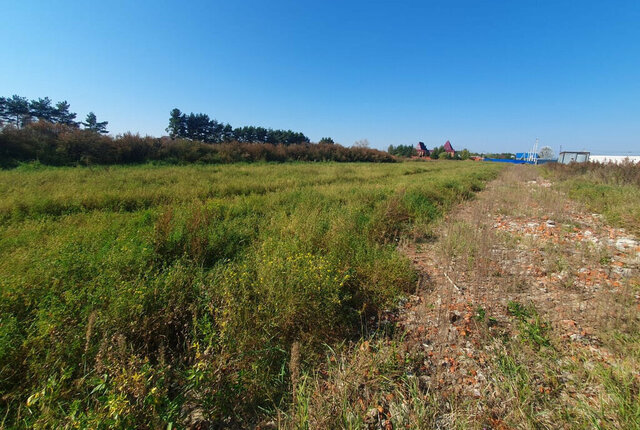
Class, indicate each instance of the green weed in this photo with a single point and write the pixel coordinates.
(171, 296)
(532, 328)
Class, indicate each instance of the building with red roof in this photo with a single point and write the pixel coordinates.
(422, 150)
(449, 149)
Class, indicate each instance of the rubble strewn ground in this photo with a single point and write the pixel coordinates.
(519, 278)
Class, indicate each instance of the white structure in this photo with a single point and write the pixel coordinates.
(616, 159)
(533, 156)
(567, 157)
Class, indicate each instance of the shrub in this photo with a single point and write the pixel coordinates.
(58, 144)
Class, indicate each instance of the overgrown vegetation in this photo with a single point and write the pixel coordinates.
(18, 112)
(606, 188)
(173, 296)
(37, 130)
(501, 335)
(60, 144)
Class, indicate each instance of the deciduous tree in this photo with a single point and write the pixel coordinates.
(402, 150)
(546, 153)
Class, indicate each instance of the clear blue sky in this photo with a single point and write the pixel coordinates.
(487, 75)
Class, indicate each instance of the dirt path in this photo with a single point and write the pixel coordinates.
(524, 298)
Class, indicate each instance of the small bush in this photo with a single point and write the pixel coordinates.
(532, 328)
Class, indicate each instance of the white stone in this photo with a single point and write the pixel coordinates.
(625, 243)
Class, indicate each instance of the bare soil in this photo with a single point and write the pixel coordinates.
(521, 273)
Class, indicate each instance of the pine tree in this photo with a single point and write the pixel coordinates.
(176, 128)
(62, 114)
(198, 126)
(42, 109)
(91, 123)
(4, 117)
(17, 109)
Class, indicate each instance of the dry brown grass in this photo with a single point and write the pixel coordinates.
(626, 173)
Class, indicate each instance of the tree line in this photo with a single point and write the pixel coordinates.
(64, 145)
(39, 130)
(435, 153)
(499, 155)
(198, 126)
(402, 150)
(19, 111)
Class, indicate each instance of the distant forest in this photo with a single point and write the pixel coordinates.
(39, 130)
(198, 126)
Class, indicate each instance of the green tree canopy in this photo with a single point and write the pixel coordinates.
(3, 111)
(435, 154)
(176, 126)
(91, 123)
(62, 115)
(17, 109)
(42, 109)
(402, 150)
(198, 126)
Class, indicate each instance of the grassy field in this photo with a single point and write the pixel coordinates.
(168, 296)
(609, 189)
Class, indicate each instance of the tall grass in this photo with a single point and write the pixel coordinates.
(626, 173)
(153, 296)
(610, 189)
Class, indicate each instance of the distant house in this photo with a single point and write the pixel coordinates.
(567, 157)
(449, 149)
(422, 150)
